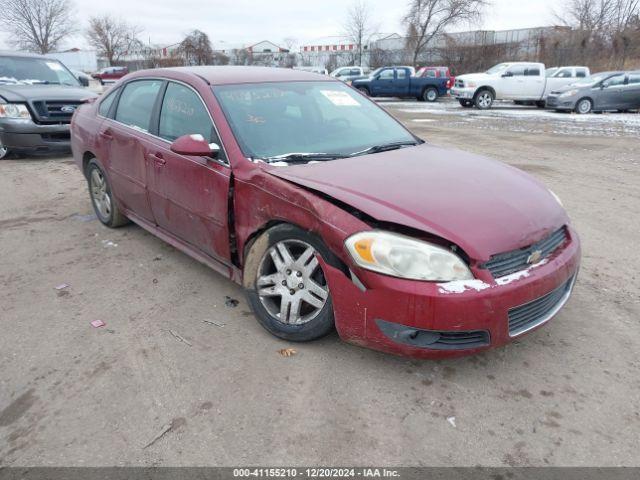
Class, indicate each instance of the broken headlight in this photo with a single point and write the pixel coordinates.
(405, 257)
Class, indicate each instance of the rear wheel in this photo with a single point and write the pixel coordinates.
(430, 95)
(541, 104)
(364, 91)
(4, 151)
(466, 103)
(483, 99)
(286, 286)
(102, 200)
(584, 106)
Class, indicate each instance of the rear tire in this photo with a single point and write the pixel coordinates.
(104, 204)
(430, 95)
(584, 106)
(483, 100)
(364, 91)
(281, 276)
(541, 104)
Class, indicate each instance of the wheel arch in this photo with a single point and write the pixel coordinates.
(485, 87)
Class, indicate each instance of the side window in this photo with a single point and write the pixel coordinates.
(431, 73)
(634, 78)
(136, 103)
(581, 73)
(517, 71)
(564, 73)
(402, 74)
(614, 81)
(386, 74)
(183, 113)
(355, 72)
(105, 104)
(532, 72)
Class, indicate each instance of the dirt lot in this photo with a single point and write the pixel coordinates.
(71, 394)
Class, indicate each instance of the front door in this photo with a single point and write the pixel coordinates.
(126, 136)
(631, 92)
(512, 84)
(611, 95)
(383, 83)
(189, 195)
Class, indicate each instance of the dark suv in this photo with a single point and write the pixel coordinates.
(38, 96)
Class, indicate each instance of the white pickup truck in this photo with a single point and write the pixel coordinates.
(522, 82)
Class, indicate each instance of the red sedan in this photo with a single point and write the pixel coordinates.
(327, 210)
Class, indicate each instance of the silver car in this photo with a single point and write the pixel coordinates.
(606, 91)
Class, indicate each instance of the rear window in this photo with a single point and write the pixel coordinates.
(532, 72)
(634, 78)
(136, 103)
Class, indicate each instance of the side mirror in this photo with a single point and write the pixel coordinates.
(194, 145)
(84, 81)
(507, 74)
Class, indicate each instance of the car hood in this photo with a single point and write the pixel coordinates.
(482, 205)
(25, 93)
(474, 77)
(572, 86)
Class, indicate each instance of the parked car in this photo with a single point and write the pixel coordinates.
(110, 74)
(558, 77)
(348, 219)
(82, 77)
(398, 82)
(518, 81)
(38, 96)
(347, 74)
(618, 91)
(437, 72)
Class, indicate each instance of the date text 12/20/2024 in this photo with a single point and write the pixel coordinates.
(304, 473)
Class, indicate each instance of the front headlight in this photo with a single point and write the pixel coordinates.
(405, 257)
(14, 110)
(570, 93)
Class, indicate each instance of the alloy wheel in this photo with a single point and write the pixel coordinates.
(485, 100)
(584, 106)
(100, 194)
(291, 284)
(431, 95)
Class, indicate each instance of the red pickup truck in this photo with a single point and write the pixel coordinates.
(110, 74)
(437, 72)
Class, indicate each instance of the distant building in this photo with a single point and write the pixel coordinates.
(76, 59)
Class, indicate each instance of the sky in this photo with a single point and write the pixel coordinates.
(249, 21)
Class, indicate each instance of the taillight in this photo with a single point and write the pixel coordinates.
(449, 83)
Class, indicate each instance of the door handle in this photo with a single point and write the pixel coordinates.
(106, 135)
(157, 159)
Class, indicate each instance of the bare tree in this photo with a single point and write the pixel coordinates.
(37, 25)
(289, 43)
(196, 49)
(112, 37)
(426, 19)
(359, 27)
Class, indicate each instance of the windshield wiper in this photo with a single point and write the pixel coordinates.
(384, 148)
(303, 157)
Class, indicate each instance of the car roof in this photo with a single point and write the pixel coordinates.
(227, 75)
(12, 53)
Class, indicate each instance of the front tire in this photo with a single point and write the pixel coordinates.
(364, 91)
(584, 106)
(483, 100)
(430, 95)
(465, 103)
(286, 286)
(541, 104)
(102, 199)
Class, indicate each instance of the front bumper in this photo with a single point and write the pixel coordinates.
(463, 93)
(403, 316)
(20, 135)
(560, 103)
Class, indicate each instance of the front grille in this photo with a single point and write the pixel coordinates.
(432, 339)
(516, 260)
(530, 315)
(55, 111)
(460, 83)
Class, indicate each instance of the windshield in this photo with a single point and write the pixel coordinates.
(31, 71)
(277, 119)
(551, 71)
(498, 68)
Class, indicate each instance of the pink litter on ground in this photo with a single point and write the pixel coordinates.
(97, 324)
(62, 286)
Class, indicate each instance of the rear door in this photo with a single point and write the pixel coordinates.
(126, 137)
(189, 195)
(402, 82)
(533, 82)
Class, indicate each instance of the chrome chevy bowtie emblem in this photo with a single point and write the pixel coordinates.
(534, 257)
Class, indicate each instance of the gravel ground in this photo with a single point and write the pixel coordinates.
(159, 386)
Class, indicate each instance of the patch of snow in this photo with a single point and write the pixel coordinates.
(452, 421)
(507, 279)
(460, 286)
